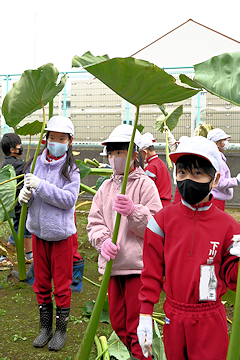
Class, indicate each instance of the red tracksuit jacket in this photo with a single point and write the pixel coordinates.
(158, 172)
(189, 246)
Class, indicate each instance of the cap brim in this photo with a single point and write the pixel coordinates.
(175, 156)
(115, 140)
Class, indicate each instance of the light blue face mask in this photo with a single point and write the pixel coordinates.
(57, 149)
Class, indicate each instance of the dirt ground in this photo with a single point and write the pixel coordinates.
(19, 316)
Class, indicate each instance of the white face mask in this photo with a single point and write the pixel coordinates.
(57, 149)
(226, 145)
(118, 164)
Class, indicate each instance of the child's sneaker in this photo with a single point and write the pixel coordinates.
(4, 261)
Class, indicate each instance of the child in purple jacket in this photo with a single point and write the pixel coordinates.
(224, 189)
(54, 189)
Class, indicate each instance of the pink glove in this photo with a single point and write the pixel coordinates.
(109, 249)
(123, 205)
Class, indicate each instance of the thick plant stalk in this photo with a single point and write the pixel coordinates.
(28, 150)
(101, 172)
(82, 204)
(103, 342)
(10, 224)
(88, 338)
(234, 344)
(88, 189)
(91, 162)
(98, 345)
(50, 109)
(167, 152)
(22, 221)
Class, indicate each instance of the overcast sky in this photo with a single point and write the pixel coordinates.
(34, 33)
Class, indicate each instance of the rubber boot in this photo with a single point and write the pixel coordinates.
(60, 336)
(29, 275)
(46, 318)
(77, 284)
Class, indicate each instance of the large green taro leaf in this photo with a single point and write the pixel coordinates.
(34, 89)
(84, 168)
(137, 81)
(171, 119)
(7, 190)
(33, 128)
(219, 75)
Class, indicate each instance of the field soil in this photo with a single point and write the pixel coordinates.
(19, 315)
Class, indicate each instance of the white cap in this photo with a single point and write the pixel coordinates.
(123, 133)
(146, 141)
(217, 134)
(104, 151)
(200, 146)
(60, 124)
(150, 136)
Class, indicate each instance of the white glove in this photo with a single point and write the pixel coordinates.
(165, 127)
(31, 181)
(24, 195)
(238, 178)
(102, 166)
(235, 250)
(145, 334)
(171, 140)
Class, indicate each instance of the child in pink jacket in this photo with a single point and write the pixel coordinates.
(136, 207)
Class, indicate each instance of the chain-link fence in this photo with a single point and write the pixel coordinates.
(96, 110)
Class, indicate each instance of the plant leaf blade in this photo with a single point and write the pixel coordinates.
(171, 119)
(34, 88)
(137, 81)
(219, 76)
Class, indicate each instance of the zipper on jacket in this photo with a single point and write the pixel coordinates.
(193, 232)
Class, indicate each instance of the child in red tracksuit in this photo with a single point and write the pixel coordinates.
(156, 169)
(136, 207)
(186, 253)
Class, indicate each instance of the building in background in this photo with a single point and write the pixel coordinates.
(95, 109)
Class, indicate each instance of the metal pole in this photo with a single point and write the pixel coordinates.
(64, 100)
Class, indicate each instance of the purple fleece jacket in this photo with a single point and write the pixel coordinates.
(52, 206)
(224, 189)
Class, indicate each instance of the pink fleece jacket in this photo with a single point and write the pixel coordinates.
(143, 192)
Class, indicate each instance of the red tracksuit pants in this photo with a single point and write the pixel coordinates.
(76, 255)
(124, 309)
(195, 331)
(53, 260)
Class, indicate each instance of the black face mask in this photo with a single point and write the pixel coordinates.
(193, 192)
(20, 151)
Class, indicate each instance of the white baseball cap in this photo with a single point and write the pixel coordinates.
(200, 146)
(60, 124)
(217, 134)
(146, 141)
(123, 133)
(150, 136)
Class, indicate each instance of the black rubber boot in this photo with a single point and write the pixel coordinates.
(77, 284)
(29, 275)
(46, 318)
(60, 336)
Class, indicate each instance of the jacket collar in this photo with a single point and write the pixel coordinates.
(203, 209)
(152, 157)
(133, 175)
(45, 162)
